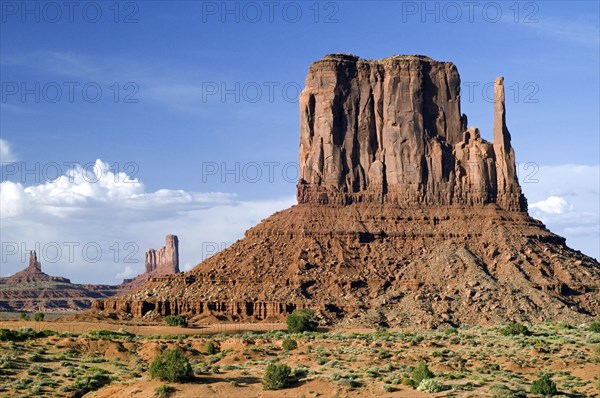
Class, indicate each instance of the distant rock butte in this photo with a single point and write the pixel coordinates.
(164, 261)
(33, 290)
(33, 273)
(161, 262)
(402, 212)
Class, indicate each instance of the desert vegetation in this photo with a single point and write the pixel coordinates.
(550, 359)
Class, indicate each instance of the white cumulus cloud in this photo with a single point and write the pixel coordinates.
(567, 199)
(94, 225)
(552, 205)
(127, 272)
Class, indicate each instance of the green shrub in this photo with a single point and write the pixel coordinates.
(388, 388)
(164, 391)
(514, 329)
(544, 386)
(171, 366)
(430, 385)
(289, 344)
(350, 382)
(87, 383)
(210, 348)
(24, 316)
(38, 317)
(407, 381)
(110, 334)
(420, 373)
(46, 333)
(277, 376)
(501, 391)
(301, 321)
(176, 320)
(595, 326)
(300, 372)
(9, 335)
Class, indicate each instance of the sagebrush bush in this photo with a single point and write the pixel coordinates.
(544, 386)
(210, 348)
(430, 385)
(277, 376)
(289, 344)
(420, 373)
(388, 388)
(300, 372)
(595, 326)
(514, 329)
(86, 383)
(501, 391)
(176, 320)
(301, 321)
(171, 366)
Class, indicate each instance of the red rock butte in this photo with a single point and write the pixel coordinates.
(403, 212)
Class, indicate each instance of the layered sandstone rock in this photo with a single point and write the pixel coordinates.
(391, 131)
(161, 262)
(32, 290)
(164, 261)
(32, 274)
(403, 211)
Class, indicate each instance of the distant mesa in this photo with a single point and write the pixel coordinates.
(33, 290)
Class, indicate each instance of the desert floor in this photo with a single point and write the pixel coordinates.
(76, 360)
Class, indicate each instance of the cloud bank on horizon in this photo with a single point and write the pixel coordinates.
(94, 225)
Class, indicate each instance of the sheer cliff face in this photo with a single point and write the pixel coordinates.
(391, 131)
(164, 261)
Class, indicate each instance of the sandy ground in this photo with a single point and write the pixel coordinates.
(469, 361)
(142, 330)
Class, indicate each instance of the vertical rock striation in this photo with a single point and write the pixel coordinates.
(391, 131)
(164, 261)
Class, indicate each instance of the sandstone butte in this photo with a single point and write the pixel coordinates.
(35, 291)
(403, 212)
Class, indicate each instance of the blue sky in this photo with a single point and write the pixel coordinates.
(190, 90)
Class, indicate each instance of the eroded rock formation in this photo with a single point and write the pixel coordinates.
(391, 131)
(402, 210)
(34, 264)
(32, 274)
(164, 261)
(33, 290)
